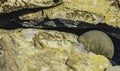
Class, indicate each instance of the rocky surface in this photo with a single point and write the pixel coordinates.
(113, 68)
(97, 42)
(46, 50)
(67, 14)
(7, 6)
(50, 50)
(92, 11)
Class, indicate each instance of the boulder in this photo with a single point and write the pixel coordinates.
(113, 68)
(92, 11)
(46, 50)
(97, 42)
(7, 6)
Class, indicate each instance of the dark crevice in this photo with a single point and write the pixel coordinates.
(116, 41)
(113, 33)
(66, 63)
(58, 23)
(27, 11)
(11, 21)
(56, 1)
(118, 3)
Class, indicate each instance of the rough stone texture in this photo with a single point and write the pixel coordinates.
(97, 42)
(91, 11)
(14, 5)
(45, 50)
(60, 12)
(113, 68)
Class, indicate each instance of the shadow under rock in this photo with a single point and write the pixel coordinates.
(9, 21)
(82, 27)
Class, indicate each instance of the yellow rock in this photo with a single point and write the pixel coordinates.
(96, 10)
(105, 8)
(87, 62)
(45, 50)
(7, 6)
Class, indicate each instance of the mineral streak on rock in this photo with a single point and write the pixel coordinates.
(97, 42)
(45, 50)
(14, 5)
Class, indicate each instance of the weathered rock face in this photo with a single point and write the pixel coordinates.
(113, 68)
(107, 8)
(45, 50)
(14, 5)
(92, 11)
(48, 50)
(66, 14)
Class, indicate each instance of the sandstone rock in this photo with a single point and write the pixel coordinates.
(92, 11)
(67, 14)
(14, 5)
(113, 68)
(82, 65)
(45, 50)
(97, 42)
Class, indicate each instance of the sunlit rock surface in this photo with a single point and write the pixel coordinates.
(46, 50)
(107, 8)
(14, 5)
(91, 11)
(66, 13)
(113, 68)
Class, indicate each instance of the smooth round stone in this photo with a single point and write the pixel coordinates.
(97, 42)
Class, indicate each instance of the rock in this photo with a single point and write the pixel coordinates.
(67, 23)
(50, 24)
(82, 65)
(97, 42)
(33, 23)
(113, 68)
(79, 15)
(45, 50)
(15, 5)
(67, 14)
(92, 11)
(80, 47)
